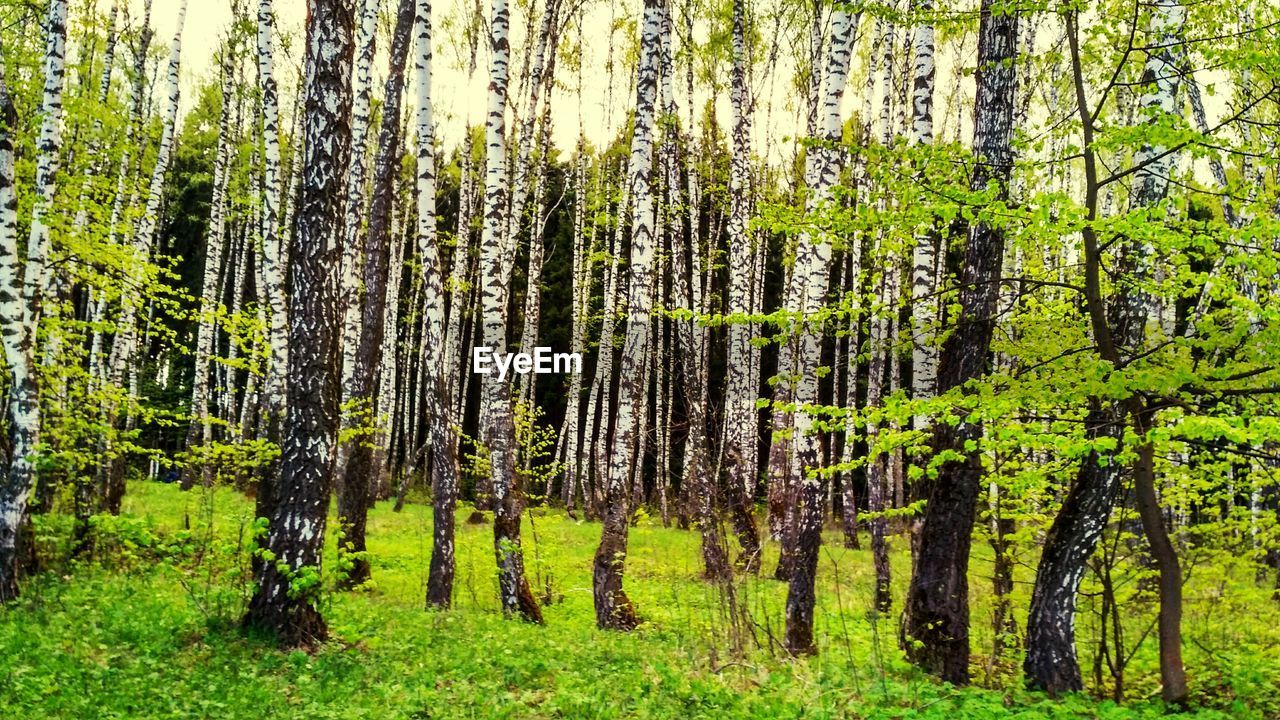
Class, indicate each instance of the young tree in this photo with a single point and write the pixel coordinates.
(443, 430)
(288, 579)
(1120, 334)
(810, 275)
(124, 345)
(354, 216)
(199, 432)
(740, 414)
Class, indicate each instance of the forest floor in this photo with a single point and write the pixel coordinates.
(146, 628)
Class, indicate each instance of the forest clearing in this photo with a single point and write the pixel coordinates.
(148, 629)
(640, 358)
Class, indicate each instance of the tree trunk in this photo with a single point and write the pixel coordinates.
(740, 395)
(271, 262)
(288, 581)
(514, 592)
(199, 432)
(811, 272)
(924, 278)
(571, 451)
(1051, 662)
(18, 339)
(357, 475)
(613, 609)
(353, 251)
(124, 346)
(936, 627)
(437, 365)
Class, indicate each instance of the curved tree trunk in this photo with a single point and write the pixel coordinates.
(613, 609)
(1051, 662)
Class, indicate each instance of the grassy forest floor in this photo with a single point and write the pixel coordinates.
(146, 628)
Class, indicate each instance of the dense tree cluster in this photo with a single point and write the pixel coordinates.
(1010, 279)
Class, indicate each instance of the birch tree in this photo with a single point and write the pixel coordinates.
(353, 256)
(443, 429)
(353, 489)
(271, 256)
(613, 609)
(200, 429)
(936, 630)
(288, 579)
(125, 343)
(924, 277)
(810, 275)
(513, 587)
(1119, 329)
(740, 415)
(22, 289)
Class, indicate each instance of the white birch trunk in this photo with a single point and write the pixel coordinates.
(125, 342)
(613, 609)
(353, 258)
(200, 431)
(21, 290)
(813, 261)
(514, 590)
(272, 259)
(924, 279)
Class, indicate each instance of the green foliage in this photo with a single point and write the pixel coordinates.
(146, 628)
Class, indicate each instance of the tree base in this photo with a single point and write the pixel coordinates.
(294, 625)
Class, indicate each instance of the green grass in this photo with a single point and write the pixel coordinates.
(143, 631)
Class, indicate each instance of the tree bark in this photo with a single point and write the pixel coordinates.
(613, 609)
(124, 345)
(359, 471)
(353, 251)
(288, 580)
(22, 291)
(811, 273)
(199, 432)
(740, 394)
(437, 366)
(936, 627)
(514, 592)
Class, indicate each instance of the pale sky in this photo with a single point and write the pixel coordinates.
(458, 97)
(455, 95)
